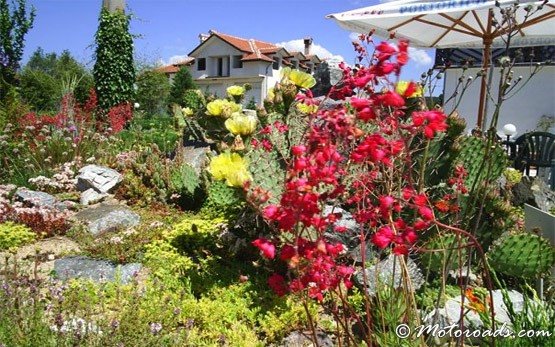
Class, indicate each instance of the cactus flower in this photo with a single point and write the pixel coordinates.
(235, 91)
(299, 78)
(222, 108)
(409, 89)
(240, 124)
(230, 167)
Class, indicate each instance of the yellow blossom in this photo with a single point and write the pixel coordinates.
(402, 86)
(307, 109)
(235, 91)
(187, 111)
(299, 78)
(222, 108)
(230, 167)
(240, 124)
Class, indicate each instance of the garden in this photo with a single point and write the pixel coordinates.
(135, 212)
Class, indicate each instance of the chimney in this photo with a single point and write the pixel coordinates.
(307, 45)
(113, 5)
(203, 37)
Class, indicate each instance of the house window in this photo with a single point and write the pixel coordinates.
(277, 63)
(222, 66)
(237, 62)
(295, 64)
(201, 64)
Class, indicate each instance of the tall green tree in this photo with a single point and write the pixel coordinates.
(45, 77)
(114, 71)
(15, 22)
(182, 82)
(153, 89)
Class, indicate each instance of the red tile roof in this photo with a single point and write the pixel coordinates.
(252, 49)
(174, 68)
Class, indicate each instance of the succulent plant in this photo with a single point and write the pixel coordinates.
(267, 171)
(446, 251)
(471, 155)
(222, 200)
(521, 254)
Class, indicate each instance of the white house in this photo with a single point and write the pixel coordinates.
(525, 108)
(222, 60)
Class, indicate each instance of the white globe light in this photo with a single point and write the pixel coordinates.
(137, 105)
(509, 129)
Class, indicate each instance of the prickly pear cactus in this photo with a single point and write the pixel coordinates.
(471, 154)
(521, 255)
(184, 180)
(267, 171)
(445, 251)
(222, 200)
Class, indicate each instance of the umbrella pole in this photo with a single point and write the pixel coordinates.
(484, 85)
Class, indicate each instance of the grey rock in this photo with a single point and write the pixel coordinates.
(39, 199)
(389, 271)
(91, 196)
(543, 195)
(300, 339)
(102, 179)
(94, 269)
(451, 313)
(104, 218)
(196, 156)
(350, 238)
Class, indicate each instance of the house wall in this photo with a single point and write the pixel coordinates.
(523, 110)
(217, 48)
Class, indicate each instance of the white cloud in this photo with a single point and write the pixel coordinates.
(320, 51)
(419, 56)
(354, 36)
(176, 59)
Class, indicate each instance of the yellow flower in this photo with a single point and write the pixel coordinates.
(230, 167)
(215, 108)
(402, 86)
(187, 111)
(235, 91)
(222, 108)
(240, 124)
(271, 94)
(299, 78)
(307, 109)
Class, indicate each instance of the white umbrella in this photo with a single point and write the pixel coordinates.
(455, 23)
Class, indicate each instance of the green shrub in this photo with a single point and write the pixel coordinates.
(181, 82)
(153, 90)
(13, 235)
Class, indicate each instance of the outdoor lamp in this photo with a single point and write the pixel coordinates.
(509, 130)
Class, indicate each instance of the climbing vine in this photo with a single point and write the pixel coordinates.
(114, 72)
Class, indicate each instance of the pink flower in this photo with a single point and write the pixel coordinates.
(298, 150)
(267, 249)
(278, 285)
(383, 237)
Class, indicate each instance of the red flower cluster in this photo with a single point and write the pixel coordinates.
(369, 170)
(118, 116)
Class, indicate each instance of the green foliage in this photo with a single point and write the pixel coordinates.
(268, 172)
(193, 98)
(446, 253)
(222, 200)
(14, 25)
(182, 81)
(471, 155)
(153, 90)
(43, 78)
(13, 235)
(522, 255)
(114, 71)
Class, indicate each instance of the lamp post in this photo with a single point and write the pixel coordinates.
(509, 130)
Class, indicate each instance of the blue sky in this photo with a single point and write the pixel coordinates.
(170, 28)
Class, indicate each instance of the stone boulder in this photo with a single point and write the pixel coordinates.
(94, 269)
(39, 199)
(106, 217)
(304, 339)
(389, 271)
(196, 156)
(91, 196)
(100, 178)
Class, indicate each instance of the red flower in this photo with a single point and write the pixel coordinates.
(383, 237)
(267, 249)
(392, 99)
(277, 283)
(298, 150)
